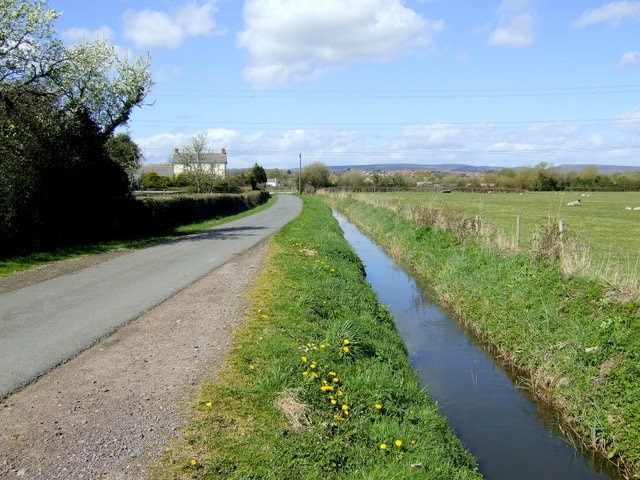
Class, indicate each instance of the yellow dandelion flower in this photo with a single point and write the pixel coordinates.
(264, 316)
(398, 443)
(208, 404)
(378, 406)
(346, 341)
(345, 407)
(332, 374)
(383, 446)
(345, 349)
(333, 401)
(304, 359)
(252, 367)
(336, 380)
(322, 345)
(313, 365)
(340, 393)
(193, 462)
(305, 373)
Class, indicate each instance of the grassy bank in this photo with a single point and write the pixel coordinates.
(602, 230)
(577, 340)
(318, 384)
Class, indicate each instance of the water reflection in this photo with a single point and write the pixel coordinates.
(497, 421)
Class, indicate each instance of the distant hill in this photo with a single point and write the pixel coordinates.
(454, 167)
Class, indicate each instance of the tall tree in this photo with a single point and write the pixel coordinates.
(58, 106)
(29, 50)
(258, 176)
(123, 151)
(316, 174)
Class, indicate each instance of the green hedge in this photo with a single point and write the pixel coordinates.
(156, 214)
(123, 218)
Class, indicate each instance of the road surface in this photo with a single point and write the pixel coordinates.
(44, 325)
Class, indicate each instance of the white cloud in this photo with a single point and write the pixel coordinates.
(515, 24)
(629, 122)
(612, 13)
(153, 28)
(292, 39)
(560, 142)
(279, 149)
(76, 34)
(628, 59)
(435, 135)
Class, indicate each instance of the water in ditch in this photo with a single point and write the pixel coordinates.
(498, 422)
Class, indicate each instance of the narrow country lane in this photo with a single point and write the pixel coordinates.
(46, 324)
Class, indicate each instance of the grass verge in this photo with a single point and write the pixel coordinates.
(26, 262)
(577, 343)
(318, 384)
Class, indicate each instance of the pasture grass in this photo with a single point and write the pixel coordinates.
(576, 341)
(605, 234)
(318, 384)
(33, 260)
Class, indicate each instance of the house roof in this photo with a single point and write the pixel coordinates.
(209, 157)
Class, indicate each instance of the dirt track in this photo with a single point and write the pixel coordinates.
(107, 413)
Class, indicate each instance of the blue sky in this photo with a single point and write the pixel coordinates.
(352, 82)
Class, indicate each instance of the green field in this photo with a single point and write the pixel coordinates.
(601, 224)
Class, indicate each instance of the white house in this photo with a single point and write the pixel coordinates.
(210, 162)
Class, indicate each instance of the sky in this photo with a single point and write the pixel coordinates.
(503, 83)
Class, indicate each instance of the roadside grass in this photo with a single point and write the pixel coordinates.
(26, 262)
(576, 343)
(603, 233)
(318, 383)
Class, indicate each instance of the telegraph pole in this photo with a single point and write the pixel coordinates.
(300, 174)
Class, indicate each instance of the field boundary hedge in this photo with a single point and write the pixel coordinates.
(126, 218)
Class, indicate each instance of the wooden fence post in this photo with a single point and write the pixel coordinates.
(518, 231)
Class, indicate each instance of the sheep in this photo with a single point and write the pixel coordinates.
(575, 203)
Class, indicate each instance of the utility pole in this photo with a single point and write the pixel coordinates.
(300, 174)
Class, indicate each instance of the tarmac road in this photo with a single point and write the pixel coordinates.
(44, 325)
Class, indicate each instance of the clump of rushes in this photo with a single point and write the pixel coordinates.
(318, 379)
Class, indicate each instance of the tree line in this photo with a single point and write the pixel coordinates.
(542, 177)
(64, 170)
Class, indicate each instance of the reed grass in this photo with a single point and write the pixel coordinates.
(600, 237)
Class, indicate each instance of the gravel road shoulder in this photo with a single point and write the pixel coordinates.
(107, 413)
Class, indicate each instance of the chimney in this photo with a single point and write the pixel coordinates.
(223, 151)
(176, 151)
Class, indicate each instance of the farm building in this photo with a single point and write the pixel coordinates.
(211, 162)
